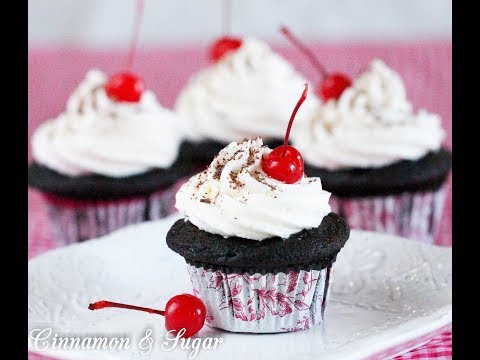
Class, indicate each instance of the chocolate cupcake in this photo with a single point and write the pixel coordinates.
(106, 162)
(246, 93)
(260, 252)
(383, 163)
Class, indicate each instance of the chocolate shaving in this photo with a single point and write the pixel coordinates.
(234, 180)
(252, 156)
(218, 171)
(257, 175)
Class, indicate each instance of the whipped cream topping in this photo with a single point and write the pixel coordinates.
(372, 124)
(96, 135)
(234, 197)
(247, 93)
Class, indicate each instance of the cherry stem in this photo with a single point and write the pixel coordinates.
(305, 50)
(105, 304)
(292, 117)
(227, 16)
(136, 32)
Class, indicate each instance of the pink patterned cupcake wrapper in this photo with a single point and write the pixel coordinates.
(269, 303)
(412, 215)
(81, 220)
(162, 203)
(74, 220)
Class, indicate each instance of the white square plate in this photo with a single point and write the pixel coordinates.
(389, 294)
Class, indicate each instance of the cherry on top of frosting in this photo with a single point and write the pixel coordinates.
(223, 46)
(127, 86)
(332, 84)
(285, 163)
(182, 311)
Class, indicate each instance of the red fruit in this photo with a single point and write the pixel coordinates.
(285, 163)
(223, 46)
(182, 311)
(333, 86)
(187, 312)
(126, 87)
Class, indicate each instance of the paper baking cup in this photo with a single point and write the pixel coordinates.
(162, 203)
(412, 215)
(75, 220)
(269, 303)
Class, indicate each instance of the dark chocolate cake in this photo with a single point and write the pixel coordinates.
(308, 249)
(104, 187)
(425, 174)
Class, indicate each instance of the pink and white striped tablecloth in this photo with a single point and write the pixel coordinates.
(425, 67)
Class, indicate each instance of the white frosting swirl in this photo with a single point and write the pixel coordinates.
(249, 92)
(372, 124)
(98, 135)
(234, 197)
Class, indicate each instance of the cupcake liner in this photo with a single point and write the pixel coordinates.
(412, 215)
(162, 203)
(269, 303)
(75, 220)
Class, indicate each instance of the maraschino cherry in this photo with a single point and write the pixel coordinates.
(333, 84)
(285, 163)
(223, 46)
(227, 43)
(182, 311)
(127, 86)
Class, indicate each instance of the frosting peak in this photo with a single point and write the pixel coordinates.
(234, 197)
(247, 93)
(372, 124)
(96, 135)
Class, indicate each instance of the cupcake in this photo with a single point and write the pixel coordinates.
(383, 162)
(259, 238)
(245, 93)
(109, 160)
(260, 252)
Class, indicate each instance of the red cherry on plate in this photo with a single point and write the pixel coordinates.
(223, 46)
(187, 312)
(333, 86)
(182, 311)
(285, 163)
(125, 87)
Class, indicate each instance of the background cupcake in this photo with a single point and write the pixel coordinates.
(106, 162)
(260, 252)
(246, 93)
(383, 162)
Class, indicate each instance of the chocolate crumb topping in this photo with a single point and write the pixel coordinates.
(257, 175)
(235, 182)
(236, 153)
(252, 155)
(218, 171)
(221, 160)
(200, 181)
